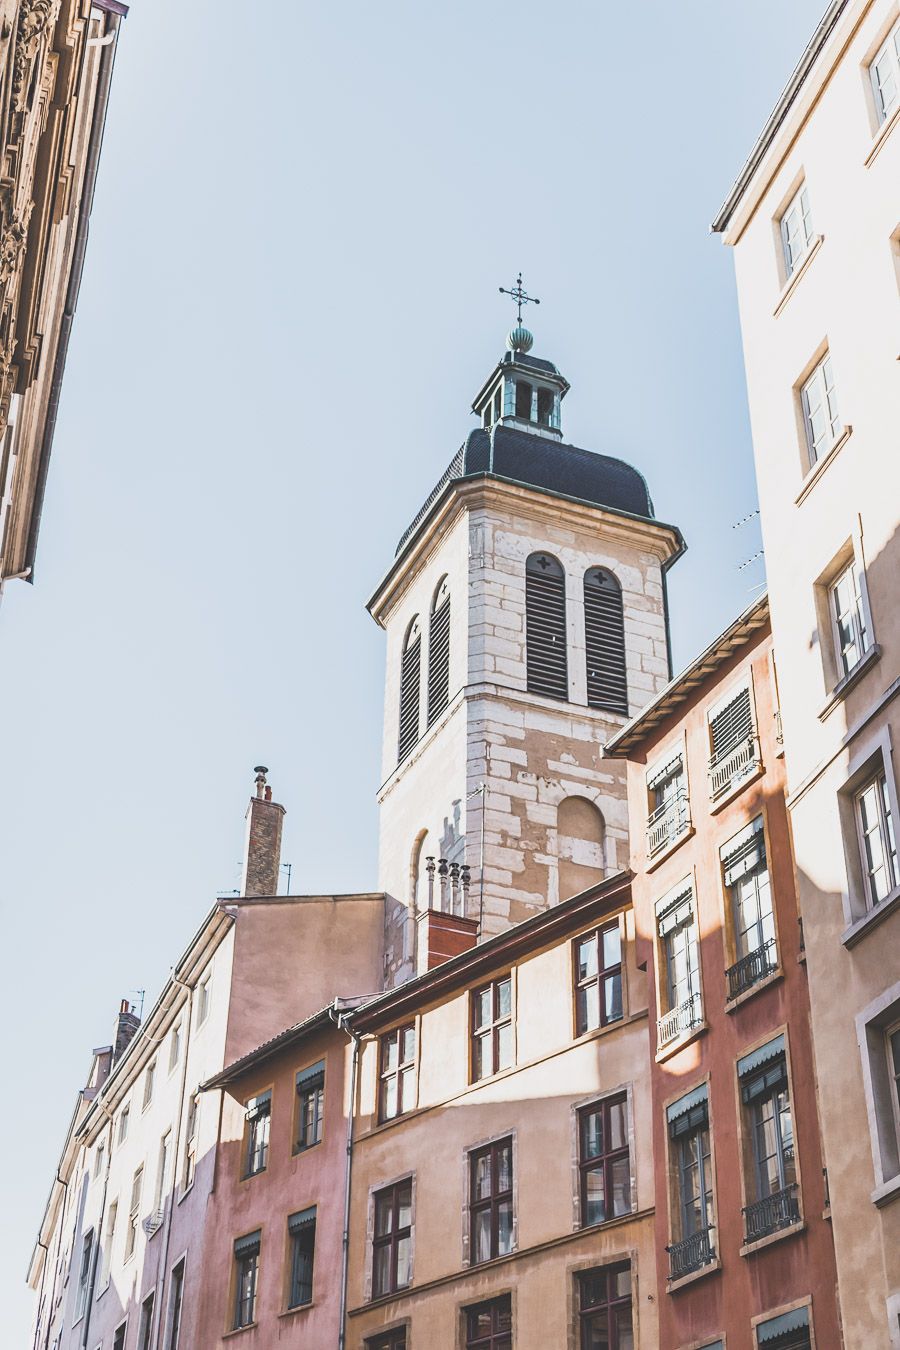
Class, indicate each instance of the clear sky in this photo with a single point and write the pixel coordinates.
(290, 299)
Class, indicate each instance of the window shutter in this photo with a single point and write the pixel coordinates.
(304, 1219)
(409, 695)
(604, 636)
(249, 1245)
(733, 725)
(313, 1077)
(439, 655)
(545, 627)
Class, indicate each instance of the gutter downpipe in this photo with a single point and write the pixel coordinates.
(341, 1021)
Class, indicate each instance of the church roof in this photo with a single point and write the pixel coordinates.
(547, 464)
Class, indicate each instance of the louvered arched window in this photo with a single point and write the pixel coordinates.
(545, 626)
(410, 669)
(604, 640)
(439, 652)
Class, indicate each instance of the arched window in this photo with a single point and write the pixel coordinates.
(545, 407)
(581, 845)
(604, 640)
(545, 626)
(439, 652)
(410, 667)
(523, 400)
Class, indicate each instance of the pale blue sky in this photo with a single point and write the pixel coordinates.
(290, 298)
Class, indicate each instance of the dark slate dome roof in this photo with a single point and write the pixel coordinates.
(547, 464)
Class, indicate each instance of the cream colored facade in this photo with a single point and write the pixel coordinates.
(829, 498)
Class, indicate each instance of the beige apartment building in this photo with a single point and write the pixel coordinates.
(814, 222)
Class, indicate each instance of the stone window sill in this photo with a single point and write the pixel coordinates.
(882, 134)
(654, 862)
(875, 916)
(846, 683)
(730, 793)
(815, 473)
(783, 1233)
(300, 1308)
(886, 1192)
(238, 1331)
(773, 977)
(674, 1285)
(672, 1047)
(790, 285)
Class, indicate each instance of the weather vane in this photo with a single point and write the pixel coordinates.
(519, 295)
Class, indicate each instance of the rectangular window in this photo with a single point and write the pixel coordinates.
(492, 1034)
(256, 1133)
(796, 231)
(733, 744)
(668, 805)
(106, 1255)
(603, 1160)
(680, 988)
(302, 1238)
(687, 1122)
(491, 1201)
(203, 999)
(489, 1325)
(99, 1155)
(190, 1142)
(84, 1274)
(892, 1045)
(149, 1076)
(884, 72)
(768, 1121)
(820, 411)
(604, 1308)
(598, 978)
(134, 1211)
(877, 840)
(145, 1331)
(176, 1300)
(246, 1275)
(162, 1175)
(310, 1105)
(175, 1046)
(789, 1331)
(388, 1340)
(745, 873)
(119, 1337)
(848, 620)
(391, 1244)
(398, 1072)
(123, 1124)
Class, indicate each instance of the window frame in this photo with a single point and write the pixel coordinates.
(145, 1325)
(175, 1310)
(317, 1069)
(203, 998)
(858, 615)
(409, 691)
(791, 264)
(112, 1218)
(547, 673)
(670, 767)
(499, 1306)
(605, 1160)
(191, 1126)
(246, 1263)
(891, 1031)
(494, 1202)
(134, 1210)
(890, 47)
(604, 975)
(818, 378)
(605, 642)
(84, 1276)
(175, 1046)
(887, 836)
(589, 1312)
(257, 1131)
(162, 1169)
(739, 847)
(393, 1339)
(149, 1085)
(397, 1234)
(491, 1031)
(403, 1075)
(296, 1240)
(756, 1185)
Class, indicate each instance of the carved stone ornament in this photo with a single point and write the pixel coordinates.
(12, 241)
(34, 18)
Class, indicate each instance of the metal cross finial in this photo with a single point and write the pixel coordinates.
(518, 294)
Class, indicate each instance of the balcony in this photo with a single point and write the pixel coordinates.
(777, 1211)
(751, 969)
(668, 821)
(691, 1254)
(681, 1019)
(729, 769)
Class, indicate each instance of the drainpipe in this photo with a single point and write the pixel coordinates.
(162, 1278)
(340, 1021)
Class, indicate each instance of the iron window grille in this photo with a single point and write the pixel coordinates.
(746, 877)
(598, 978)
(604, 1308)
(258, 1116)
(878, 842)
(767, 1106)
(669, 806)
(688, 1127)
(302, 1238)
(492, 1032)
(392, 1244)
(545, 627)
(491, 1201)
(681, 990)
(398, 1072)
(604, 636)
(439, 654)
(246, 1278)
(603, 1161)
(410, 673)
(310, 1106)
(489, 1325)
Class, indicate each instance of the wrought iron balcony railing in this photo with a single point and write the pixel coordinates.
(668, 822)
(685, 1017)
(734, 766)
(777, 1211)
(752, 968)
(692, 1253)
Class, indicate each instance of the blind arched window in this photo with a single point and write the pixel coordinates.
(410, 668)
(545, 626)
(604, 640)
(439, 652)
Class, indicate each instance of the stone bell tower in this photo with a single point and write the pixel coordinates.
(525, 621)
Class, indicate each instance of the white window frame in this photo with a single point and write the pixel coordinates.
(162, 1171)
(893, 1029)
(874, 1024)
(124, 1121)
(887, 834)
(887, 57)
(175, 1046)
(797, 210)
(203, 998)
(112, 1218)
(149, 1084)
(855, 615)
(819, 391)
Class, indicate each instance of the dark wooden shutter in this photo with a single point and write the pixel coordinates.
(439, 659)
(604, 638)
(409, 697)
(733, 725)
(545, 627)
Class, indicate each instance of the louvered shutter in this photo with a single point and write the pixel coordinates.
(604, 636)
(439, 659)
(732, 726)
(409, 697)
(545, 627)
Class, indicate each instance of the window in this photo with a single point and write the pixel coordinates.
(604, 1308)
(106, 1255)
(302, 1238)
(203, 995)
(162, 1174)
(848, 620)
(123, 1124)
(820, 413)
(246, 1275)
(491, 1201)
(687, 1122)
(119, 1337)
(545, 627)
(492, 1036)
(310, 1105)
(732, 734)
(603, 1162)
(176, 1299)
(746, 876)
(256, 1137)
(680, 987)
(489, 1325)
(877, 840)
(145, 1332)
(598, 978)
(84, 1274)
(668, 804)
(439, 653)
(190, 1142)
(99, 1155)
(796, 231)
(767, 1118)
(133, 1211)
(175, 1046)
(789, 1331)
(410, 669)
(149, 1076)
(391, 1244)
(604, 640)
(545, 407)
(523, 400)
(398, 1072)
(884, 72)
(388, 1340)
(892, 1046)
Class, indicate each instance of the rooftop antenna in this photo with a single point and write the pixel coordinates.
(520, 296)
(287, 867)
(140, 1006)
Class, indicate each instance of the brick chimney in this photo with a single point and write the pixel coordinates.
(127, 1024)
(262, 856)
(443, 928)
